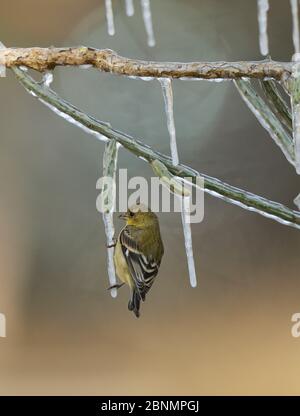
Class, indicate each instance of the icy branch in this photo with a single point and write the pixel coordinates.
(213, 186)
(278, 104)
(266, 118)
(295, 102)
(107, 60)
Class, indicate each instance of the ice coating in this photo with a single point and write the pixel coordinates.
(295, 103)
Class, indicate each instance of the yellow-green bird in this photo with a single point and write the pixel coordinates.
(138, 253)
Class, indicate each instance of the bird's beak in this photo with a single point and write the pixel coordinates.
(123, 216)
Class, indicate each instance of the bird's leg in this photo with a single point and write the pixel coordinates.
(116, 286)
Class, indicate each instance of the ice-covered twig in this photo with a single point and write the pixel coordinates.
(146, 10)
(2, 67)
(266, 118)
(107, 60)
(110, 157)
(109, 17)
(219, 189)
(263, 7)
(295, 18)
(166, 85)
(294, 86)
(129, 7)
(278, 104)
(170, 181)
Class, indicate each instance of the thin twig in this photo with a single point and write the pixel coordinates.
(213, 186)
(267, 118)
(42, 59)
(277, 102)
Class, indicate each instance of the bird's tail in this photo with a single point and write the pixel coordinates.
(135, 302)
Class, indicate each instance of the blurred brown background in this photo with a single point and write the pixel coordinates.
(65, 334)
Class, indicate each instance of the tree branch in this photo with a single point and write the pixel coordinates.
(213, 186)
(42, 59)
(266, 118)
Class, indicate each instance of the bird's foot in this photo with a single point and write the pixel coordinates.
(116, 286)
(112, 244)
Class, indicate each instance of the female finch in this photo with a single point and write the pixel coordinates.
(138, 253)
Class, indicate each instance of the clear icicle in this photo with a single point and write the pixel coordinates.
(188, 239)
(47, 79)
(129, 7)
(2, 67)
(148, 21)
(166, 84)
(110, 232)
(294, 8)
(295, 102)
(109, 17)
(263, 7)
(110, 157)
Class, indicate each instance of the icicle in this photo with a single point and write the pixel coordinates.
(108, 197)
(110, 232)
(148, 21)
(294, 8)
(2, 67)
(129, 7)
(47, 79)
(188, 239)
(295, 103)
(166, 84)
(109, 17)
(263, 7)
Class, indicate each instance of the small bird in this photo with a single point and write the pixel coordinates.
(138, 253)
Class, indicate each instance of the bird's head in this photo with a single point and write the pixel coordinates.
(139, 216)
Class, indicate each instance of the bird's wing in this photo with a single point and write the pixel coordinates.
(143, 269)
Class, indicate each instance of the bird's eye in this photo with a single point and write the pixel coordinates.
(131, 214)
